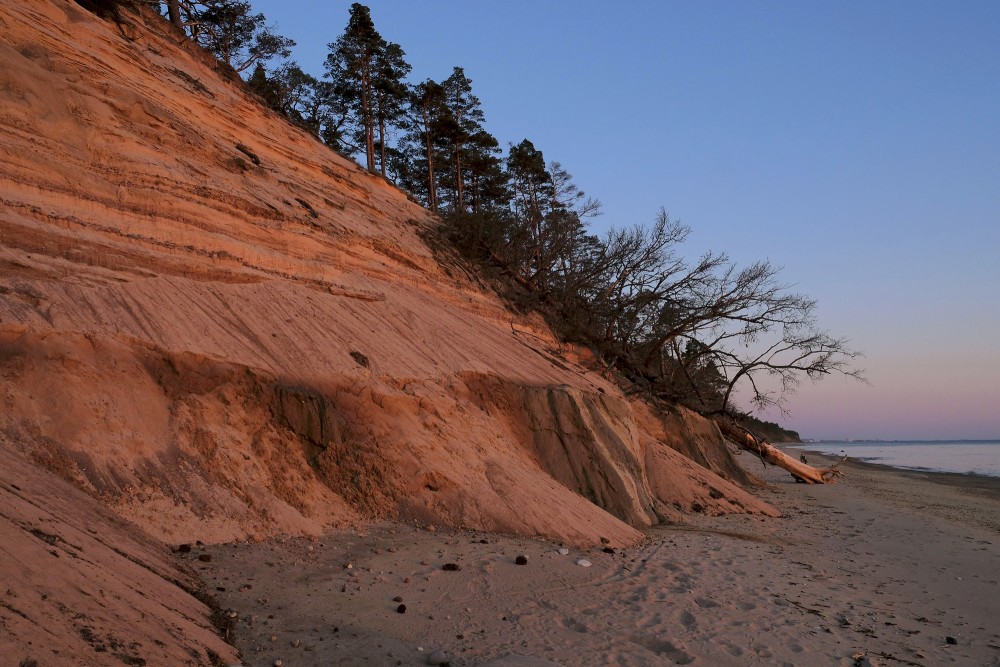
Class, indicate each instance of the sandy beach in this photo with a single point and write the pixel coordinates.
(885, 567)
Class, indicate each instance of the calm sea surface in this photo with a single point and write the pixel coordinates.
(980, 457)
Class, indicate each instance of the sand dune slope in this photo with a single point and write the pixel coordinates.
(224, 330)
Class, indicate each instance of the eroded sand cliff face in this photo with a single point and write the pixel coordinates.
(83, 587)
(221, 349)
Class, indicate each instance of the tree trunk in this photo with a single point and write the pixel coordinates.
(381, 132)
(458, 178)
(431, 184)
(367, 115)
(771, 454)
(174, 12)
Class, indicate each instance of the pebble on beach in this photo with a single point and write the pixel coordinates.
(583, 562)
(521, 560)
(438, 658)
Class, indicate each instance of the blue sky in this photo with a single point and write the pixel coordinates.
(856, 144)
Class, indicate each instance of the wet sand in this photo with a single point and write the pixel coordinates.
(884, 567)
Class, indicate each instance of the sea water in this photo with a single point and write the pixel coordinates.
(978, 457)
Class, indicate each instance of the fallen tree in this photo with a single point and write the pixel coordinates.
(768, 453)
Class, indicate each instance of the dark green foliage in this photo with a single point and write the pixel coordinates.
(267, 88)
(421, 151)
(391, 96)
(108, 9)
(457, 127)
(686, 332)
(769, 431)
(237, 36)
(304, 100)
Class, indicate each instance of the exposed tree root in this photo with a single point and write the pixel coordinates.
(768, 453)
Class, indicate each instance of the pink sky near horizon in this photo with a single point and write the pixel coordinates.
(941, 395)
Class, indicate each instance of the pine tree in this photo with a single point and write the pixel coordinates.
(390, 94)
(266, 87)
(467, 118)
(530, 181)
(428, 120)
(531, 186)
(352, 67)
(487, 182)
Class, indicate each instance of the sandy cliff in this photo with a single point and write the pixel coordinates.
(223, 330)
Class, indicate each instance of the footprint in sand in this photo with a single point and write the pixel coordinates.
(576, 626)
(732, 649)
(662, 647)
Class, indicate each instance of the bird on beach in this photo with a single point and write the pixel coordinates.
(802, 457)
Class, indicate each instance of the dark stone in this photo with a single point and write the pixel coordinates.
(401, 609)
(307, 206)
(697, 507)
(608, 550)
(451, 567)
(521, 560)
(951, 640)
(398, 598)
(249, 153)
(184, 548)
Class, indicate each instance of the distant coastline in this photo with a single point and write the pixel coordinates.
(862, 441)
(960, 457)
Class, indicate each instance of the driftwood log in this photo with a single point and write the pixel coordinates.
(768, 453)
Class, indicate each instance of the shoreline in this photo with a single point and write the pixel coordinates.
(938, 476)
(879, 564)
(982, 481)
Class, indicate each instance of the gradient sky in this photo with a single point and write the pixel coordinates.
(856, 144)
